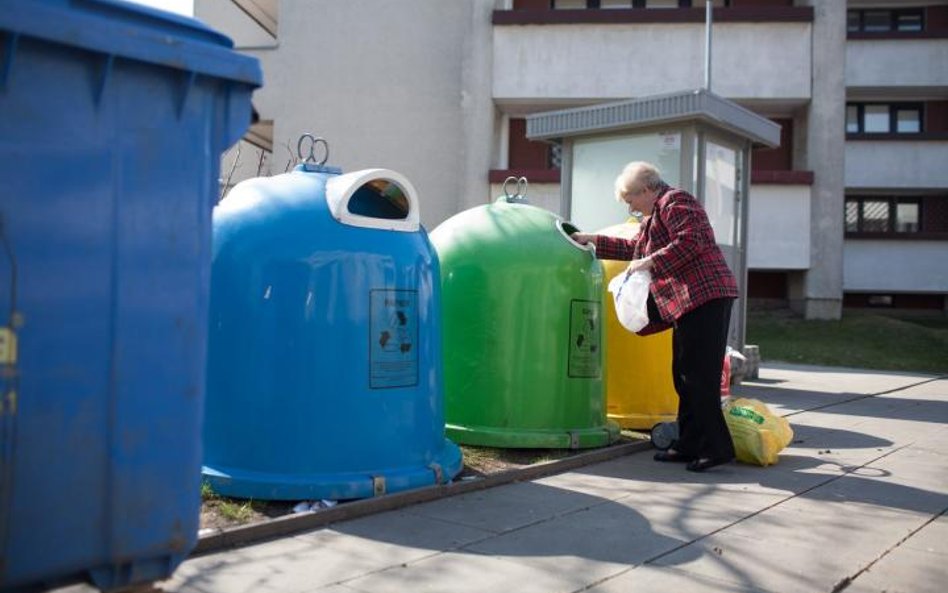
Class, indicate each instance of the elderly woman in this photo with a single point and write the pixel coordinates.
(692, 291)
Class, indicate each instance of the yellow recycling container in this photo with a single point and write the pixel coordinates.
(640, 391)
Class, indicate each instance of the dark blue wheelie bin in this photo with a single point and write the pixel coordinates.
(112, 121)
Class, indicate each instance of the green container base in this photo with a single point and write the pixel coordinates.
(524, 438)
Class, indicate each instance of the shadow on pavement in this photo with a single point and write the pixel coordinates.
(879, 406)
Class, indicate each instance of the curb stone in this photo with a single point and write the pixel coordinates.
(232, 537)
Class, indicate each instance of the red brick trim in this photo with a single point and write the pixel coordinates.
(737, 14)
(532, 175)
(782, 177)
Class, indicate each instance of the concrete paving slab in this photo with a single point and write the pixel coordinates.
(851, 530)
(507, 507)
(830, 380)
(467, 572)
(768, 565)
(608, 481)
(687, 520)
(903, 570)
(631, 524)
(935, 389)
(335, 589)
(265, 567)
(792, 474)
(601, 541)
(904, 480)
(406, 531)
(648, 579)
(325, 556)
(933, 538)
(788, 400)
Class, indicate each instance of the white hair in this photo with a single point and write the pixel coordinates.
(637, 173)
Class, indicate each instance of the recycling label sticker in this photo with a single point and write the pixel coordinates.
(393, 338)
(585, 340)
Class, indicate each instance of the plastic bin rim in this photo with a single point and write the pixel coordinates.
(126, 30)
(339, 189)
(559, 227)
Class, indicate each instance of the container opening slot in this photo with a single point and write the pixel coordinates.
(568, 229)
(380, 198)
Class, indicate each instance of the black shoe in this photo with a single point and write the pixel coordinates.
(672, 457)
(704, 463)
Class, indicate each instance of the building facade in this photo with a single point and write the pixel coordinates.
(850, 210)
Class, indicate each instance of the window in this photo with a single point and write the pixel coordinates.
(882, 20)
(875, 119)
(883, 118)
(908, 120)
(853, 21)
(882, 214)
(908, 20)
(876, 21)
(852, 119)
(906, 217)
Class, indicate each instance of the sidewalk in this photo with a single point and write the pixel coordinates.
(856, 504)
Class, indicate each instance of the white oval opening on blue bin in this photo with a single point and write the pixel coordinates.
(374, 199)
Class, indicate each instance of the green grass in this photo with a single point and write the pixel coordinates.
(239, 512)
(207, 493)
(861, 339)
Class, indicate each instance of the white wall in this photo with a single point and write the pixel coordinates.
(581, 61)
(897, 164)
(895, 266)
(884, 63)
(778, 228)
(400, 84)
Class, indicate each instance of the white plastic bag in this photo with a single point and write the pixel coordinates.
(630, 293)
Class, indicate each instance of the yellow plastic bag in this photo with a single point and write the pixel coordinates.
(758, 434)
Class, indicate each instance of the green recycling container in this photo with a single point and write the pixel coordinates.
(523, 342)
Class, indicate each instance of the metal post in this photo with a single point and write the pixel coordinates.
(707, 44)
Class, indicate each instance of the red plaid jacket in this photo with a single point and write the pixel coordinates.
(689, 268)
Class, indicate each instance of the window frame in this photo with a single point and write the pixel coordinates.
(893, 15)
(639, 4)
(893, 109)
(891, 211)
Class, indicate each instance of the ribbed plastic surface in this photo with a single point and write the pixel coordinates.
(112, 122)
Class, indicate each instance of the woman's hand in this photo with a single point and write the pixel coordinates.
(583, 238)
(640, 264)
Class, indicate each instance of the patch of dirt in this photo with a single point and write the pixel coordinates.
(218, 512)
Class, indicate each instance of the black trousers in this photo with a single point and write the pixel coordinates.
(699, 340)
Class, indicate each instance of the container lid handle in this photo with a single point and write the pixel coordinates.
(310, 153)
(521, 196)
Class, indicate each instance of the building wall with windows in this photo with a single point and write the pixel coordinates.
(439, 91)
(896, 206)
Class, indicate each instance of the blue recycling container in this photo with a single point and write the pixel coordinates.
(112, 121)
(324, 355)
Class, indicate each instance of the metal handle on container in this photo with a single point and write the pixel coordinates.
(521, 196)
(314, 141)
